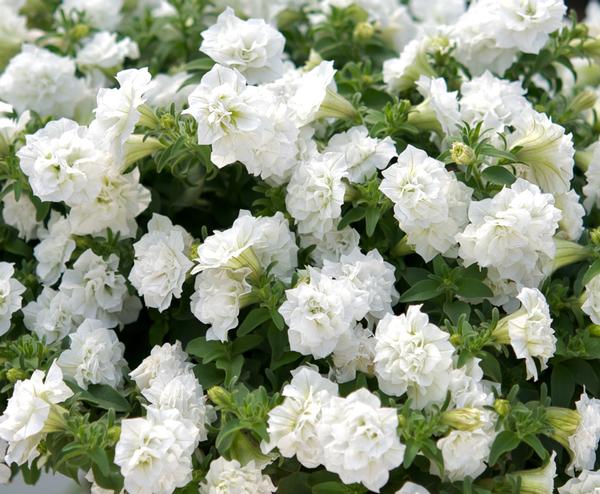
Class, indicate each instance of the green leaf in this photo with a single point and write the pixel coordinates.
(537, 446)
(330, 488)
(100, 458)
(254, 319)
(562, 385)
(505, 442)
(473, 288)
(102, 396)
(208, 351)
(352, 216)
(592, 271)
(371, 218)
(456, 309)
(245, 343)
(423, 290)
(227, 435)
(498, 175)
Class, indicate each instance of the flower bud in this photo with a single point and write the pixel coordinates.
(56, 420)
(594, 329)
(502, 407)
(539, 480)
(13, 375)
(564, 423)
(595, 236)
(148, 118)
(336, 106)
(568, 253)
(138, 147)
(463, 419)
(462, 154)
(221, 397)
(363, 31)
(114, 433)
(585, 100)
(79, 31)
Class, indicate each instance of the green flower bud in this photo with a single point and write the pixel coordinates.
(585, 100)
(462, 154)
(363, 31)
(502, 407)
(221, 397)
(462, 419)
(13, 375)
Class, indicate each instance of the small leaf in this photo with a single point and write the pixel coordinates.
(592, 271)
(352, 216)
(330, 488)
(371, 218)
(423, 290)
(473, 288)
(562, 385)
(245, 343)
(498, 175)
(537, 446)
(505, 442)
(103, 396)
(208, 351)
(254, 319)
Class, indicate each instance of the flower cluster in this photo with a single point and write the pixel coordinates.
(300, 246)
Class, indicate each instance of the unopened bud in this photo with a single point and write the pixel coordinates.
(114, 433)
(221, 397)
(585, 100)
(594, 329)
(13, 375)
(462, 419)
(80, 31)
(502, 407)
(363, 31)
(462, 154)
(595, 236)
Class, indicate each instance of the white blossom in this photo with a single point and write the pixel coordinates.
(95, 356)
(21, 215)
(413, 356)
(315, 194)
(360, 439)
(512, 234)
(252, 47)
(400, 74)
(587, 483)
(572, 214)
(529, 331)
(412, 488)
(355, 351)
(155, 452)
(54, 250)
(332, 245)
(442, 102)
(319, 312)
(101, 14)
(229, 476)
(10, 127)
(52, 316)
(166, 89)
(363, 155)
(292, 426)
(430, 204)
(465, 453)
(161, 263)
(167, 359)
(10, 295)
(41, 81)
(29, 409)
(584, 442)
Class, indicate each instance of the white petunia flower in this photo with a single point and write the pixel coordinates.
(495, 102)
(101, 14)
(292, 426)
(354, 352)
(97, 289)
(529, 331)
(31, 412)
(320, 311)
(587, 483)
(155, 452)
(10, 295)
(333, 244)
(117, 111)
(228, 113)
(363, 155)
(54, 250)
(360, 439)
(440, 101)
(430, 204)
(184, 393)
(13, 32)
(368, 273)
(413, 356)
(21, 215)
(436, 12)
(167, 359)
(10, 127)
(166, 89)
(52, 316)
(591, 299)
(584, 442)
(63, 163)
(121, 199)
(412, 488)
(252, 47)
(230, 477)
(161, 263)
(102, 53)
(218, 297)
(545, 152)
(95, 356)
(591, 190)
(465, 453)
(572, 214)
(512, 234)
(524, 25)
(41, 81)
(315, 194)
(400, 74)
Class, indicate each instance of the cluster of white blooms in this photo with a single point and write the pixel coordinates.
(511, 234)
(31, 412)
(10, 295)
(584, 441)
(354, 436)
(430, 204)
(230, 476)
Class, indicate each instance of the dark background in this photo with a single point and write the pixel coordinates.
(578, 5)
